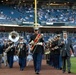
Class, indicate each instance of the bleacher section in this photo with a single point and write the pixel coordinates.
(23, 15)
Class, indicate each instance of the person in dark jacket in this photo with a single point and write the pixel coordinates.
(56, 52)
(65, 52)
(10, 53)
(22, 53)
(5, 46)
(37, 51)
(1, 52)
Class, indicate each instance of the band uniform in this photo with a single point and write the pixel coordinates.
(10, 54)
(22, 53)
(5, 46)
(37, 52)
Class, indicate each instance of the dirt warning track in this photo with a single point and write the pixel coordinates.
(29, 70)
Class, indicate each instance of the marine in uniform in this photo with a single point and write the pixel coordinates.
(37, 51)
(21, 52)
(1, 52)
(5, 45)
(10, 53)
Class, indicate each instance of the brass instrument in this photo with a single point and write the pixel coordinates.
(20, 46)
(50, 41)
(58, 46)
(48, 46)
(13, 37)
(9, 47)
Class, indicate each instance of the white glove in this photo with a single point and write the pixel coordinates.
(4, 53)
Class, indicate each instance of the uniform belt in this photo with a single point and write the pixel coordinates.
(39, 43)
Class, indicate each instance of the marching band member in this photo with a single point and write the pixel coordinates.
(52, 54)
(10, 53)
(1, 52)
(5, 45)
(37, 51)
(22, 51)
(56, 52)
(55, 47)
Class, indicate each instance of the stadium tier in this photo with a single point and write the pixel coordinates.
(25, 15)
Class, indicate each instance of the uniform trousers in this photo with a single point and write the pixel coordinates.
(5, 58)
(22, 62)
(37, 59)
(64, 60)
(10, 60)
(0, 59)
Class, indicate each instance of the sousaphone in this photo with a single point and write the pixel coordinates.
(13, 36)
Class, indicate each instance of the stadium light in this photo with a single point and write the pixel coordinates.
(2, 1)
(6, 0)
(68, 2)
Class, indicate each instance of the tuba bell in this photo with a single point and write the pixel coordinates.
(13, 36)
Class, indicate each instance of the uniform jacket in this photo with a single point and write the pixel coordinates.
(37, 48)
(23, 51)
(11, 51)
(1, 49)
(65, 50)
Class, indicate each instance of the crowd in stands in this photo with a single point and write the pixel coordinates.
(20, 14)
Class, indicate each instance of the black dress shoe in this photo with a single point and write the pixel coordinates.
(21, 69)
(69, 71)
(10, 67)
(37, 72)
(60, 68)
(63, 71)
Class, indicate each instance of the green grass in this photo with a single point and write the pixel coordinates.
(73, 64)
